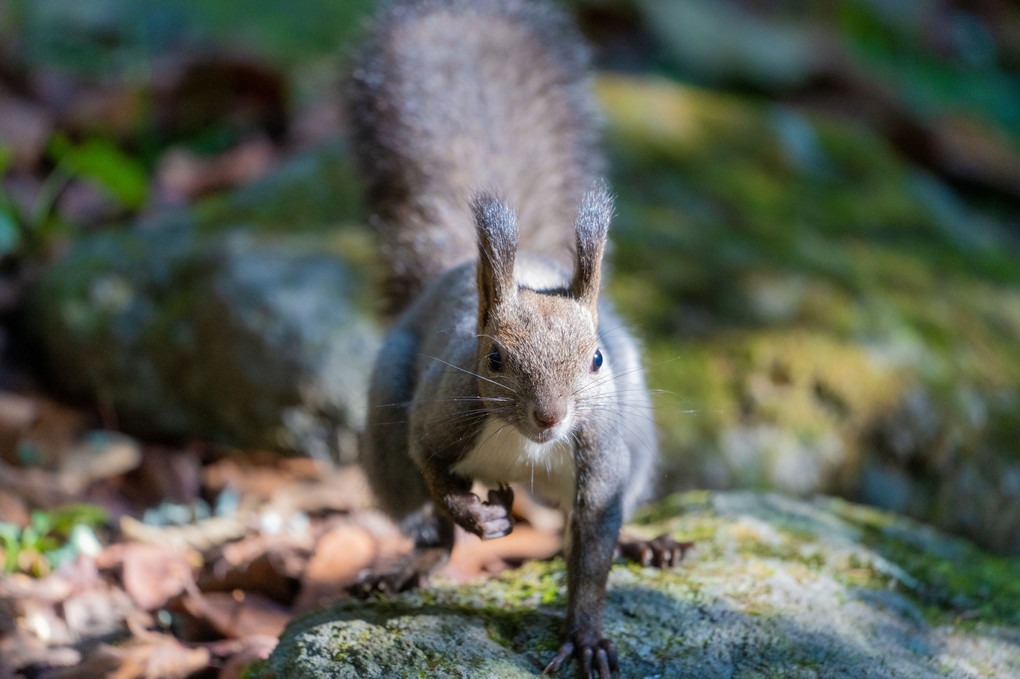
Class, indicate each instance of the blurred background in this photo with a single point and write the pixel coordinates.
(818, 240)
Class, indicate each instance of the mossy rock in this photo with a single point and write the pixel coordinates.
(819, 314)
(247, 320)
(774, 588)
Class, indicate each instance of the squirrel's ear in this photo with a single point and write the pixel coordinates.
(497, 248)
(591, 231)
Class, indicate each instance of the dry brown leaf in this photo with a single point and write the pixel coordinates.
(13, 509)
(268, 564)
(152, 574)
(257, 476)
(154, 656)
(200, 88)
(344, 489)
(234, 615)
(38, 487)
(201, 535)
(168, 474)
(17, 412)
(99, 456)
(98, 612)
(472, 556)
(183, 176)
(22, 648)
(339, 558)
(256, 648)
(41, 619)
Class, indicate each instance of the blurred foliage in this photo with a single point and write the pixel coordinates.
(892, 41)
(815, 306)
(10, 233)
(51, 538)
(829, 298)
(106, 37)
(100, 161)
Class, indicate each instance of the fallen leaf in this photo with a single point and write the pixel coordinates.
(183, 176)
(256, 477)
(22, 648)
(17, 412)
(268, 564)
(99, 456)
(97, 613)
(340, 556)
(200, 535)
(234, 615)
(154, 656)
(171, 474)
(256, 648)
(344, 489)
(471, 556)
(13, 509)
(152, 574)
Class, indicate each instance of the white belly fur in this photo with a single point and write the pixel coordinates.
(504, 455)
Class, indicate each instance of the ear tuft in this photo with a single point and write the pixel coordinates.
(496, 224)
(591, 231)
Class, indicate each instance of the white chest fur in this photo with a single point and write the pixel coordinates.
(503, 455)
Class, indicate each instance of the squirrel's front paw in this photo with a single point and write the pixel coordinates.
(599, 661)
(489, 519)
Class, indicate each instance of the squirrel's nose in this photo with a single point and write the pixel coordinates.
(547, 418)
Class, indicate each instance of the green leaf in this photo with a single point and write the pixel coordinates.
(10, 543)
(100, 161)
(66, 518)
(10, 234)
(61, 555)
(40, 523)
(6, 157)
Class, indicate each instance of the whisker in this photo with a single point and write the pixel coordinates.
(457, 367)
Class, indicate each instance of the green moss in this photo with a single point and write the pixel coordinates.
(258, 668)
(808, 289)
(953, 578)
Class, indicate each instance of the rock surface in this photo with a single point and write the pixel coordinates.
(819, 315)
(225, 337)
(775, 588)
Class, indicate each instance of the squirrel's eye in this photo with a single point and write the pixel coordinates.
(495, 360)
(596, 361)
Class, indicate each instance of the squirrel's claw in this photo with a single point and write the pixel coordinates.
(660, 552)
(410, 572)
(503, 495)
(488, 520)
(598, 661)
(565, 651)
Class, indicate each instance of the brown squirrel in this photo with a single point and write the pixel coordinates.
(504, 365)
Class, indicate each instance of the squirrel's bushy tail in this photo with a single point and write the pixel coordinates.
(449, 97)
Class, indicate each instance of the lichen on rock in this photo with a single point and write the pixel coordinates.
(775, 588)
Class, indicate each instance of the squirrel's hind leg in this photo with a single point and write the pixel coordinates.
(433, 541)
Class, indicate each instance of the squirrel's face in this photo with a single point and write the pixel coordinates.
(540, 366)
(539, 362)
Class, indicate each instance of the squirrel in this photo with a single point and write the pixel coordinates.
(473, 126)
